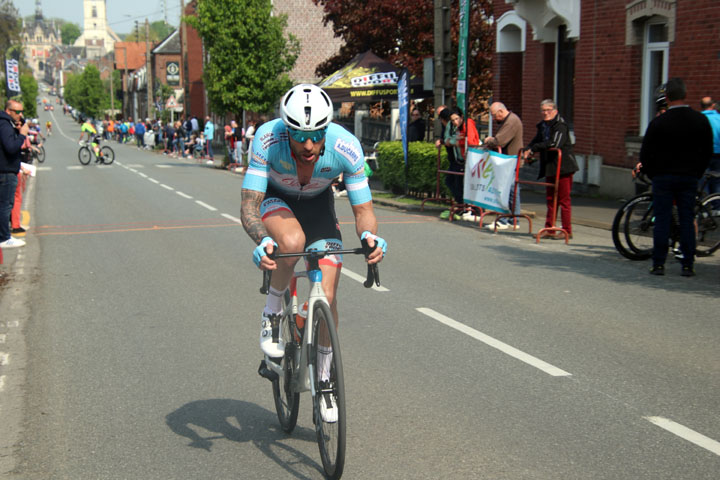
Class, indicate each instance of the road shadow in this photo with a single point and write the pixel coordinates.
(253, 424)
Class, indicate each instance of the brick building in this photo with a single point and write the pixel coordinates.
(601, 62)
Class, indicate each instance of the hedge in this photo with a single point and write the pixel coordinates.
(422, 171)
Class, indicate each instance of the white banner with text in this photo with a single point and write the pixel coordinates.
(489, 179)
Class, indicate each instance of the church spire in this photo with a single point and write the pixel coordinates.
(38, 10)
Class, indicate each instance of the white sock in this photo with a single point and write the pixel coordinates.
(324, 359)
(274, 301)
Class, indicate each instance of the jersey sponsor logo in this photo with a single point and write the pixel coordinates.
(325, 169)
(329, 245)
(347, 150)
(286, 165)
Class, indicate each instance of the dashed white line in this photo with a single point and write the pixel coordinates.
(2, 383)
(361, 279)
(74, 167)
(166, 187)
(153, 180)
(3, 337)
(184, 195)
(203, 204)
(231, 218)
(44, 169)
(142, 174)
(163, 166)
(4, 358)
(686, 433)
(497, 344)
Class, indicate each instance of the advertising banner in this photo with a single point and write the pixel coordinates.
(489, 178)
(404, 103)
(12, 76)
(461, 90)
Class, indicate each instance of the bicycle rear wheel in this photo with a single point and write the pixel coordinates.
(330, 434)
(618, 234)
(108, 155)
(41, 154)
(707, 220)
(84, 155)
(287, 402)
(639, 225)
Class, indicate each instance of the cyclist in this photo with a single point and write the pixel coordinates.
(48, 127)
(287, 202)
(92, 135)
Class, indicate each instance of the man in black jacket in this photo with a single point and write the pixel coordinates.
(13, 130)
(675, 152)
(553, 133)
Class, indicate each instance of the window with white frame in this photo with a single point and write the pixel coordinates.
(654, 68)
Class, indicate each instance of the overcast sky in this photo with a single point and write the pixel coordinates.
(121, 13)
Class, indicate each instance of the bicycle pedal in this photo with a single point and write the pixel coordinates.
(265, 372)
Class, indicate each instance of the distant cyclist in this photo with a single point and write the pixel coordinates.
(287, 201)
(48, 127)
(92, 135)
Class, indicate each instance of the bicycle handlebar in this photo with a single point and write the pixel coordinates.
(373, 274)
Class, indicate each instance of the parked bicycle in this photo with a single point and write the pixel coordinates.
(104, 154)
(297, 371)
(632, 228)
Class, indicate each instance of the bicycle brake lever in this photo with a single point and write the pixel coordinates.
(267, 276)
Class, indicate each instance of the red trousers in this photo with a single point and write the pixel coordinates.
(563, 201)
(17, 206)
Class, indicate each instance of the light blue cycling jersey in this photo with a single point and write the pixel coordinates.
(271, 162)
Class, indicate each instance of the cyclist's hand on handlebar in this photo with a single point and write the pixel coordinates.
(260, 254)
(379, 244)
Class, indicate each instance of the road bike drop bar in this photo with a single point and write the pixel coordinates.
(373, 275)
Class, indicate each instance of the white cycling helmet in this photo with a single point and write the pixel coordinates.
(306, 107)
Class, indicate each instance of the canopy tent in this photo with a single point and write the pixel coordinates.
(369, 78)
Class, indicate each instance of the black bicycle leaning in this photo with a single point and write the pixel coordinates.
(634, 222)
(298, 371)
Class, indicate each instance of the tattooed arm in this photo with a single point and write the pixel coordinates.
(250, 215)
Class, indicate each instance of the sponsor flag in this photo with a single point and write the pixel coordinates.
(489, 179)
(404, 102)
(461, 89)
(12, 77)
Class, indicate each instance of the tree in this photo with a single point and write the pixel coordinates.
(248, 56)
(402, 33)
(29, 94)
(9, 25)
(85, 92)
(158, 31)
(69, 33)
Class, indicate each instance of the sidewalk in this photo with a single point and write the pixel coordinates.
(586, 211)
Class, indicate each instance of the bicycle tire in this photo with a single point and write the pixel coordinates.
(108, 155)
(330, 435)
(707, 219)
(624, 229)
(41, 154)
(287, 402)
(84, 155)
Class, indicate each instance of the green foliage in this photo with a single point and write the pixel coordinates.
(29, 88)
(69, 32)
(86, 92)
(158, 31)
(422, 171)
(248, 55)
(10, 25)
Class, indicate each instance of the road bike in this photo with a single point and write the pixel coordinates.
(297, 371)
(105, 154)
(634, 222)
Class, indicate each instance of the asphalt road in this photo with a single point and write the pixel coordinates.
(131, 349)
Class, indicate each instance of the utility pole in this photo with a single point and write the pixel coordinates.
(183, 61)
(442, 57)
(148, 69)
(112, 90)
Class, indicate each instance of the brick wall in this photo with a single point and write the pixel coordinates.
(317, 41)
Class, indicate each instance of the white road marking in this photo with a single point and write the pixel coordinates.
(153, 180)
(74, 167)
(497, 344)
(142, 174)
(184, 195)
(231, 218)
(4, 358)
(166, 187)
(361, 279)
(686, 433)
(164, 166)
(2, 383)
(203, 204)
(3, 337)
(44, 169)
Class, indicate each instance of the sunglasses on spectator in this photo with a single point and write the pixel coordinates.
(302, 136)
(17, 111)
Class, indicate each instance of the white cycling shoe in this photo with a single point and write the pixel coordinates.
(271, 346)
(328, 407)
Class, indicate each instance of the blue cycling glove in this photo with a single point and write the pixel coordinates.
(379, 242)
(259, 251)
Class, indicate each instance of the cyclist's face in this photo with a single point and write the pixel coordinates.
(306, 152)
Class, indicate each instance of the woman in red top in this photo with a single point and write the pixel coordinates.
(458, 140)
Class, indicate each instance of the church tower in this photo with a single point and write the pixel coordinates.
(97, 37)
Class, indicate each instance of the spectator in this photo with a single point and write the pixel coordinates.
(169, 135)
(553, 132)
(188, 129)
(13, 131)
(675, 152)
(709, 109)
(453, 182)
(180, 135)
(229, 143)
(416, 127)
(194, 125)
(209, 132)
(140, 134)
(509, 139)
(462, 140)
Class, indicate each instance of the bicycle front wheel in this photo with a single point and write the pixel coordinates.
(108, 155)
(287, 402)
(707, 221)
(41, 154)
(329, 385)
(84, 155)
(638, 226)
